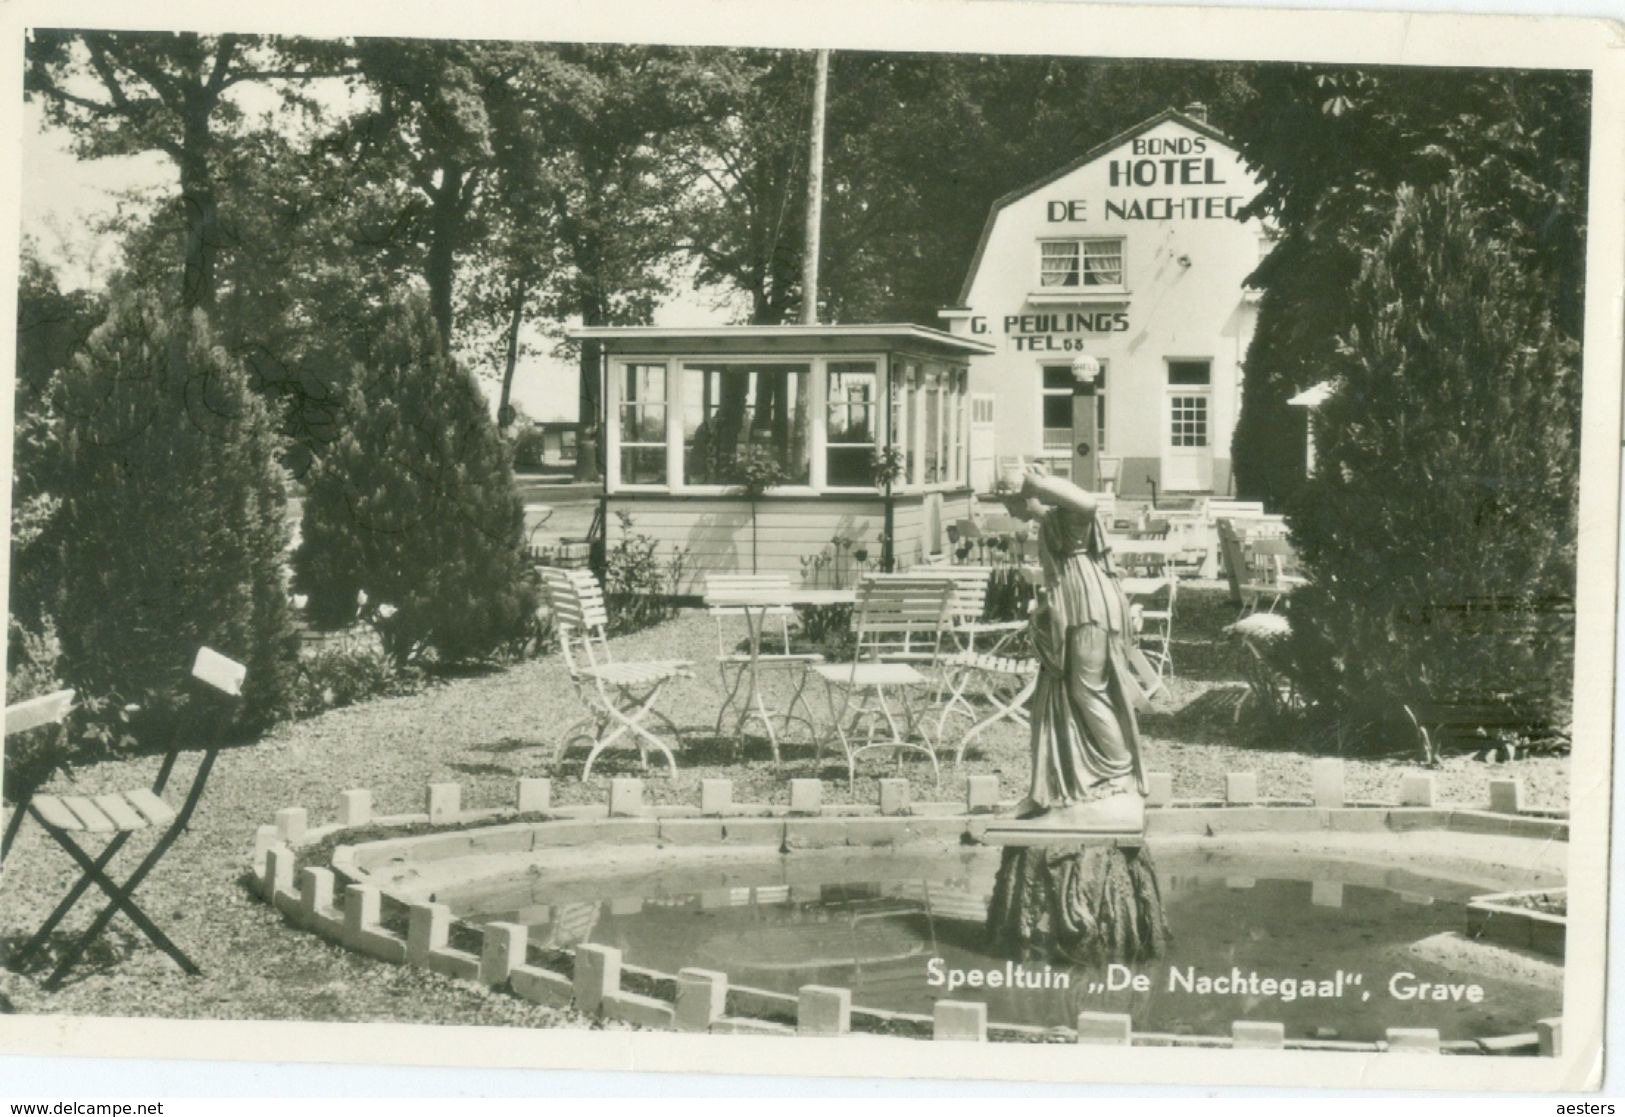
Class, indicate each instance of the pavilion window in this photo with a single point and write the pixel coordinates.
(852, 421)
(642, 407)
(957, 415)
(728, 406)
(932, 403)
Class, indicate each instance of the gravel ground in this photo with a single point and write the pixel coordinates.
(485, 731)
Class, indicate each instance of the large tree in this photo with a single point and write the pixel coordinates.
(129, 92)
(415, 506)
(1440, 525)
(615, 118)
(1332, 146)
(173, 522)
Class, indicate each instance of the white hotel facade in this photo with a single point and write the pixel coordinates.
(1134, 255)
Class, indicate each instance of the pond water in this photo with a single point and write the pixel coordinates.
(1302, 945)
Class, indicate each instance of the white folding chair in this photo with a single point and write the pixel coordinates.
(617, 694)
(900, 621)
(1154, 631)
(734, 667)
(963, 662)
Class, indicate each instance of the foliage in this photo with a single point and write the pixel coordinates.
(598, 213)
(528, 448)
(898, 232)
(844, 558)
(639, 589)
(885, 466)
(1008, 594)
(1439, 532)
(343, 675)
(755, 470)
(52, 327)
(415, 506)
(33, 666)
(1332, 146)
(173, 522)
(827, 629)
(129, 92)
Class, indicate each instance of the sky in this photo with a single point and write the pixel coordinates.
(64, 199)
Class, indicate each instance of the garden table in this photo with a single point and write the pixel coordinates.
(754, 604)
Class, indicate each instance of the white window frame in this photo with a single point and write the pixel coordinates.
(880, 405)
(1079, 271)
(612, 407)
(676, 407)
(906, 424)
(1202, 391)
(815, 419)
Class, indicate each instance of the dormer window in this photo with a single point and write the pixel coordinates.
(1081, 264)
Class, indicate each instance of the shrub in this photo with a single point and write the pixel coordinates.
(755, 470)
(172, 526)
(32, 669)
(640, 589)
(1439, 528)
(415, 506)
(528, 447)
(342, 676)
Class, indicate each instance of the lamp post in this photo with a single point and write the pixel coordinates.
(1085, 454)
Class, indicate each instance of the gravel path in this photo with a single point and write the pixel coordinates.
(486, 731)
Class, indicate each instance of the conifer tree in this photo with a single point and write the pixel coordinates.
(1440, 525)
(413, 508)
(173, 526)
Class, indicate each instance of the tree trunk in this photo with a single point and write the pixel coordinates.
(202, 208)
(445, 214)
(592, 432)
(515, 319)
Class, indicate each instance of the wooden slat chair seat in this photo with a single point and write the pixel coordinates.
(1006, 684)
(900, 620)
(617, 694)
(116, 816)
(735, 667)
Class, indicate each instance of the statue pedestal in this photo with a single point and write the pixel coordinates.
(1085, 898)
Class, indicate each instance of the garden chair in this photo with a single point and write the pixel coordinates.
(617, 694)
(1274, 565)
(734, 666)
(118, 816)
(1154, 631)
(1245, 589)
(1144, 557)
(966, 606)
(900, 621)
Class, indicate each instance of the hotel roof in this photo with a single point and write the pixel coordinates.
(1096, 152)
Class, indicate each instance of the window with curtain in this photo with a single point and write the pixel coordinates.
(730, 405)
(1093, 262)
(853, 418)
(643, 424)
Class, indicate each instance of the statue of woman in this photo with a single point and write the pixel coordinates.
(1086, 769)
